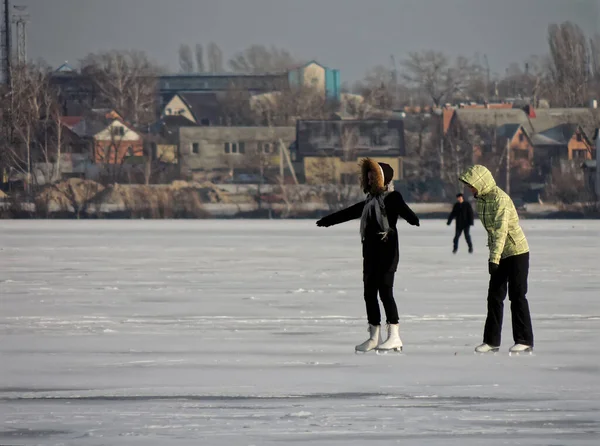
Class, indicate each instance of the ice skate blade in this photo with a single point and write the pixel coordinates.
(528, 352)
(491, 352)
(361, 352)
(396, 351)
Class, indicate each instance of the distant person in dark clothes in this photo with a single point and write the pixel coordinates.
(462, 212)
(379, 213)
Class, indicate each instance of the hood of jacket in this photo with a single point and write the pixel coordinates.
(480, 178)
(382, 175)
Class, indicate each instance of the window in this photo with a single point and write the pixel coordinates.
(169, 111)
(521, 137)
(235, 147)
(579, 137)
(129, 150)
(264, 147)
(205, 122)
(579, 154)
(118, 131)
(196, 148)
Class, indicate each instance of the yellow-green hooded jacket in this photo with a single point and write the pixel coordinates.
(497, 214)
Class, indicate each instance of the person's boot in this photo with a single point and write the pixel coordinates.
(520, 348)
(393, 341)
(486, 348)
(371, 343)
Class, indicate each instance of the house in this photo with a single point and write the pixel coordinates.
(231, 150)
(495, 142)
(112, 141)
(329, 150)
(564, 141)
(198, 108)
(556, 133)
(314, 75)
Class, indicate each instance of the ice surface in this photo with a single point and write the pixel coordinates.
(243, 332)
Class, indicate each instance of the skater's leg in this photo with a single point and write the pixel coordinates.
(386, 294)
(371, 286)
(457, 234)
(468, 238)
(519, 307)
(498, 286)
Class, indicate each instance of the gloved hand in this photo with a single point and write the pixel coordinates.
(448, 224)
(322, 223)
(492, 268)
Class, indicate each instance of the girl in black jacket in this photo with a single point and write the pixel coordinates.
(379, 214)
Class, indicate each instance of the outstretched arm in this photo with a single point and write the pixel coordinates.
(351, 213)
(403, 210)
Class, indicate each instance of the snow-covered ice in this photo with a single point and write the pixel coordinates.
(243, 332)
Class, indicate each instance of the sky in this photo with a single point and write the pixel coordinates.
(350, 35)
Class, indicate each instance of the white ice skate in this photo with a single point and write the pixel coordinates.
(371, 343)
(393, 341)
(518, 349)
(486, 348)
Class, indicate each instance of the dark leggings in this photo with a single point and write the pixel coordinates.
(384, 285)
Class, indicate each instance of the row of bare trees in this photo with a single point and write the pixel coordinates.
(567, 76)
(255, 59)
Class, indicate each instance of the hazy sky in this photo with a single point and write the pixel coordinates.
(351, 35)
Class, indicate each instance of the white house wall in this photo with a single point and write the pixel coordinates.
(107, 133)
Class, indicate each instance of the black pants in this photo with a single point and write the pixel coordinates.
(384, 285)
(459, 231)
(512, 276)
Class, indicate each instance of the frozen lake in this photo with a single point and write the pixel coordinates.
(243, 332)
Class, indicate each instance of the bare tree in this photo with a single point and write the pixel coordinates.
(569, 67)
(433, 74)
(33, 135)
(260, 59)
(127, 81)
(186, 59)
(200, 58)
(215, 58)
(237, 109)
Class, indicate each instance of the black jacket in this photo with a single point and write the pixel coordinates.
(379, 256)
(463, 214)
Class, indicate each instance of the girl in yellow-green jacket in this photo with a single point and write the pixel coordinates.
(508, 262)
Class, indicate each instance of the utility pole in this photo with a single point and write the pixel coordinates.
(6, 44)
(21, 19)
(487, 78)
